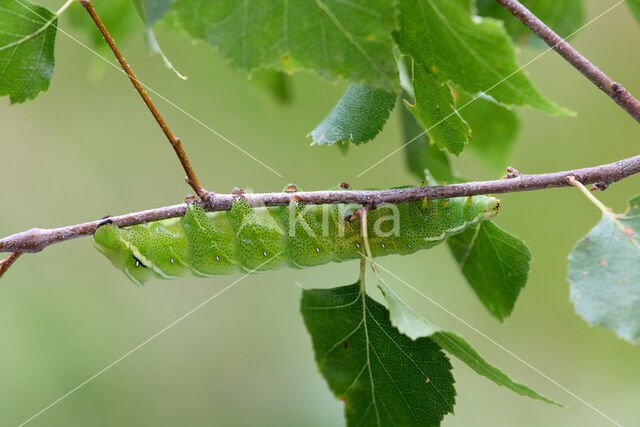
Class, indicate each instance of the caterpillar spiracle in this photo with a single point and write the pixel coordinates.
(266, 238)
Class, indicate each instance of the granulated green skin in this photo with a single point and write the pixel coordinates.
(257, 239)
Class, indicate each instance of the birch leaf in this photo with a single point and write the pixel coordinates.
(27, 39)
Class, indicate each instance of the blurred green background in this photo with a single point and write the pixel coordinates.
(89, 148)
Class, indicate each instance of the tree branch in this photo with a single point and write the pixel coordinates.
(615, 90)
(191, 179)
(36, 239)
(8, 261)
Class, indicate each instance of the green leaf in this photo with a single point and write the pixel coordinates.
(420, 153)
(563, 16)
(358, 116)
(415, 326)
(475, 54)
(604, 268)
(494, 129)
(275, 82)
(460, 348)
(152, 11)
(436, 111)
(154, 49)
(404, 317)
(350, 39)
(26, 49)
(383, 377)
(495, 263)
(634, 5)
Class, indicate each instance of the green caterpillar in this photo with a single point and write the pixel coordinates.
(297, 235)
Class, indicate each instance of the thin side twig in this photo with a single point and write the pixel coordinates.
(615, 90)
(36, 239)
(8, 262)
(191, 179)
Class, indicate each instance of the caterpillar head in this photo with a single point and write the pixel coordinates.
(108, 239)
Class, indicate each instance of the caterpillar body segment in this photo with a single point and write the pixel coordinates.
(247, 239)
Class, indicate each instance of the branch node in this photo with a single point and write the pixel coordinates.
(571, 180)
(208, 200)
(616, 89)
(511, 173)
(600, 185)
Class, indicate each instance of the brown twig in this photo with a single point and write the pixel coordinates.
(191, 178)
(615, 90)
(8, 261)
(36, 239)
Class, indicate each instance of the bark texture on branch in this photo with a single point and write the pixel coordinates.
(36, 239)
